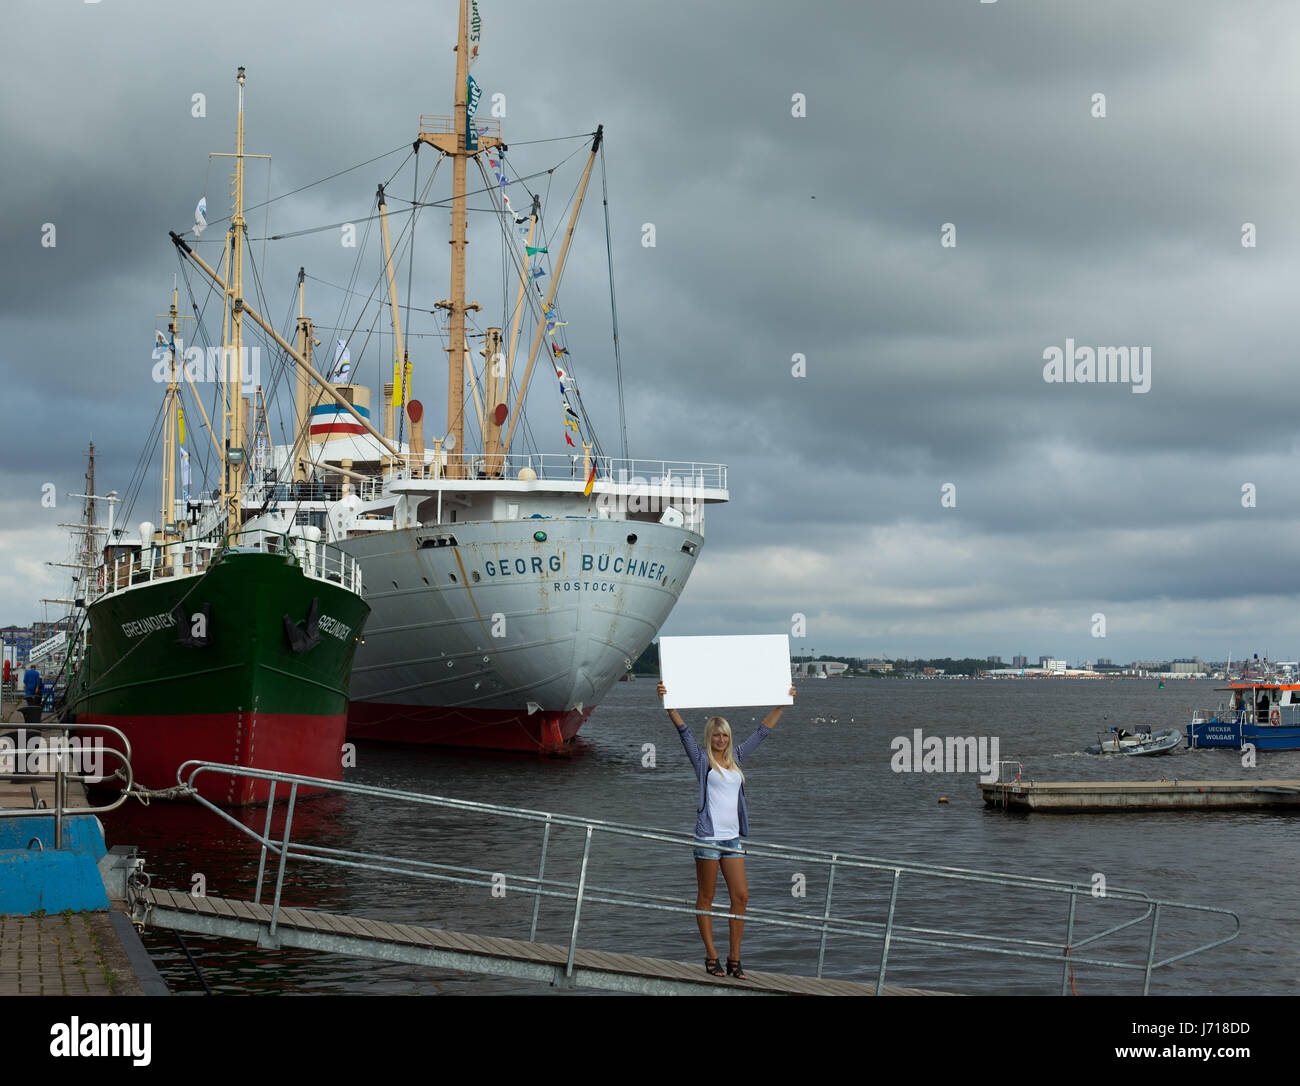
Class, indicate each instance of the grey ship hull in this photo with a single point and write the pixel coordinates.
(481, 635)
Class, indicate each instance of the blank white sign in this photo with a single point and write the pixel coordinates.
(714, 672)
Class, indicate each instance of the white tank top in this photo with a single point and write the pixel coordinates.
(724, 803)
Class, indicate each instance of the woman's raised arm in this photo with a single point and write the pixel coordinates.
(673, 715)
(769, 721)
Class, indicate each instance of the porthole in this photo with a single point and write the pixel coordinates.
(632, 538)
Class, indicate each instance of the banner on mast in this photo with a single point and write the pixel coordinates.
(472, 94)
(475, 30)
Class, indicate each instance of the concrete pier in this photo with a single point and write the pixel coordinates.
(63, 926)
(1073, 797)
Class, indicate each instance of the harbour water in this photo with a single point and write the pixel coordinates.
(820, 785)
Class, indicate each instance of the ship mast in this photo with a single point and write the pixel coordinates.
(302, 385)
(401, 393)
(231, 283)
(171, 406)
(455, 144)
(89, 549)
(232, 401)
(234, 460)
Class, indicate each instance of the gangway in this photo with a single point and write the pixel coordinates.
(1139, 928)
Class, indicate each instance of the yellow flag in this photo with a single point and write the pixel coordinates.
(401, 383)
(180, 424)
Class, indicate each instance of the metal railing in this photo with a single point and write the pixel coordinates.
(58, 755)
(179, 559)
(438, 124)
(186, 557)
(889, 933)
(1225, 714)
(685, 475)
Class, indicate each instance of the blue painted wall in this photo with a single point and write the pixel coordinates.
(32, 880)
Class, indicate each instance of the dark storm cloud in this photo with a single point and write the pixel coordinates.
(776, 236)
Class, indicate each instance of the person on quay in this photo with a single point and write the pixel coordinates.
(32, 685)
(721, 821)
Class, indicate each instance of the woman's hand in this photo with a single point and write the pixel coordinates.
(770, 720)
(673, 715)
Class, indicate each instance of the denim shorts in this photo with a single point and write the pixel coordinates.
(712, 850)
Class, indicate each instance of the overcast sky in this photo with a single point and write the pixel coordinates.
(776, 235)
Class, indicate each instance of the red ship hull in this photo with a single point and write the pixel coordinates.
(542, 732)
(310, 745)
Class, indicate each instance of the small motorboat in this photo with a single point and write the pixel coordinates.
(1140, 740)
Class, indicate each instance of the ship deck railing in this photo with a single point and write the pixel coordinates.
(186, 557)
(1288, 715)
(684, 477)
(441, 124)
(1117, 929)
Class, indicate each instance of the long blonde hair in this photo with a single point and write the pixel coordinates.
(719, 724)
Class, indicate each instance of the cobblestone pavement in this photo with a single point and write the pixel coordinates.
(67, 954)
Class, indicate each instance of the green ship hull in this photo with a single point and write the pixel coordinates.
(246, 663)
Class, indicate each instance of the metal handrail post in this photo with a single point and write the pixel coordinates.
(266, 836)
(577, 904)
(541, 870)
(59, 793)
(1069, 942)
(284, 857)
(889, 927)
(826, 915)
(1151, 951)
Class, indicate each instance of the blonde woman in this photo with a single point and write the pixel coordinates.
(719, 825)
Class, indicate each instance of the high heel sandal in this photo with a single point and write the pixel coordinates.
(734, 969)
(713, 967)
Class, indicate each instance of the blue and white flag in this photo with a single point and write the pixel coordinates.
(342, 364)
(201, 217)
(161, 348)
